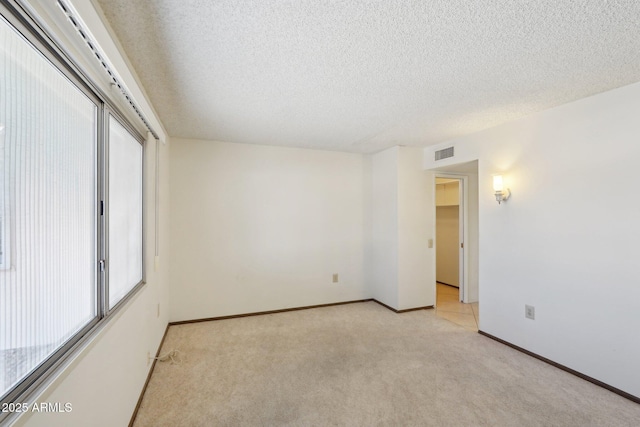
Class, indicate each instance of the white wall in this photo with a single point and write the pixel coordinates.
(472, 240)
(384, 218)
(367, 223)
(416, 195)
(104, 381)
(257, 228)
(402, 220)
(566, 241)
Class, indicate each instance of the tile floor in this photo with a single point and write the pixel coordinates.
(449, 307)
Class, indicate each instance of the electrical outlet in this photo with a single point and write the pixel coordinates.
(530, 312)
(335, 277)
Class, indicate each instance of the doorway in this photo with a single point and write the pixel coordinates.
(456, 244)
(448, 235)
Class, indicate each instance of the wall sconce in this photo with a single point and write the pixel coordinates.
(498, 187)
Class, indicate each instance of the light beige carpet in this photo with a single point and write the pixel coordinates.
(363, 365)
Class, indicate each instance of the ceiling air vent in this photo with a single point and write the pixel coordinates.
(445, 153)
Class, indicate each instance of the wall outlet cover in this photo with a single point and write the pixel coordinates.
(530, 312)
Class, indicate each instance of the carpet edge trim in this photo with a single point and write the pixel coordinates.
(285, 310)
(592, 380)
(146, 383)
(260, 313)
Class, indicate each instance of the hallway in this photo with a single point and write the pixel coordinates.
(450, 308)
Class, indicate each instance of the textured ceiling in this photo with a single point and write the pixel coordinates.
(362, 75)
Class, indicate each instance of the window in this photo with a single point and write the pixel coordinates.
(125, 212)
(5, 260)
(71, 218)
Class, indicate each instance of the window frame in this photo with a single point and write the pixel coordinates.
(34, 383)
(107, 113)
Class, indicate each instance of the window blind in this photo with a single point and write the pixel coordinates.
(48, 183)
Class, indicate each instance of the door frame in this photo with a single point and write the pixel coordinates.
(463, 217)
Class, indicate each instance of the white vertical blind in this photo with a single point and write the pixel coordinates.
(124, 261)
(48, 210)
(5, 261)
